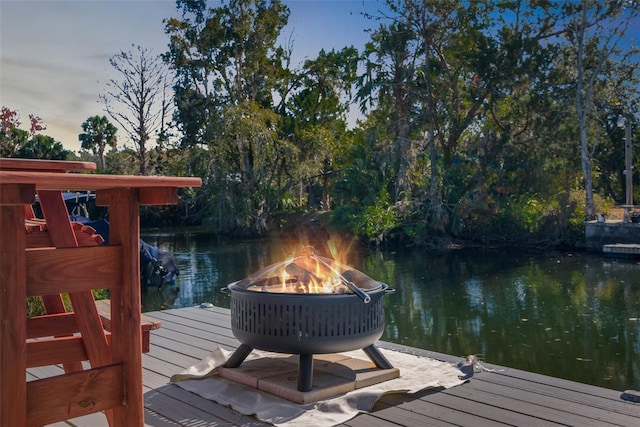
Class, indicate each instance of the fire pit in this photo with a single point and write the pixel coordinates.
(307, 305)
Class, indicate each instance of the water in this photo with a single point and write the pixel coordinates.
(568, 315)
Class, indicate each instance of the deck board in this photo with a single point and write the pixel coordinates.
(503, 397)
(514, 407)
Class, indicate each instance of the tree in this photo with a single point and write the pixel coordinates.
(226, 63)
(420, 68)
(43, 147)
(390, 77)
(12, 138)
(98, 134)
(222, 56)
(137, 99)
(594, 30)
(315, 116)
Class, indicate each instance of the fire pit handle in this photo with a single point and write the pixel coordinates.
(352, 286)
(356, 290)
(225, 290)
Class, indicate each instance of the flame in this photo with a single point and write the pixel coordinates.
(306, 274)
(307, 271)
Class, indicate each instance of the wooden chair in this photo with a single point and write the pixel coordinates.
(101, 353)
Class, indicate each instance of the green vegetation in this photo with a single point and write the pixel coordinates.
(485, 121)
(35, 306)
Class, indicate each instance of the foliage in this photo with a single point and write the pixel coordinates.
(229, 74)
(98, 134)
(35, 306)
(42, 147)
(377, 220)
(594, 31)
(16, 142)
(11, 139)
(225, 64)
(483, 108)
(121, 162)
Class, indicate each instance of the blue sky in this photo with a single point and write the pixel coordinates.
(55, 53)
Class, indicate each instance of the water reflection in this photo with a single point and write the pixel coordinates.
(573, 316)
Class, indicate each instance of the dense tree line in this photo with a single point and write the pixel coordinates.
(484, 120)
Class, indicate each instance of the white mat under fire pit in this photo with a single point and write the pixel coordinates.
(416, 374)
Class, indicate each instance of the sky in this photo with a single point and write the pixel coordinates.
(54, 54)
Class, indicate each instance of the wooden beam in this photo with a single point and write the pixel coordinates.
(52, 271)
(147, 323)
(72, 395)
(159, 196)
(70, 182)
(17, 194)
(50, 351)
(35, 165)
(52, 325)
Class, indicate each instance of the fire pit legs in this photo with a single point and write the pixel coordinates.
(305, 372)
(238, 356)
(305, 363)
(377, 358)
(305, 366)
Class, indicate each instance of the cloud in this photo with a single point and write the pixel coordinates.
(63, 96)
(55, 55)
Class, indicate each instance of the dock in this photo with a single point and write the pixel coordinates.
(495, 397)
(613, 237)
(625, 249)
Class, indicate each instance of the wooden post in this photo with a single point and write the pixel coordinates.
(13, 316)
(126, 343)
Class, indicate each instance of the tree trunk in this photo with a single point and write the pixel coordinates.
(582, 106)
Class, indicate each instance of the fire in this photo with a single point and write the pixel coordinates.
(307, 274)
(317, 266)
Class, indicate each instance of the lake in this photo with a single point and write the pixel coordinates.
(568, 315)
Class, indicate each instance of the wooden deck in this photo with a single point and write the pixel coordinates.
(504, 397)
